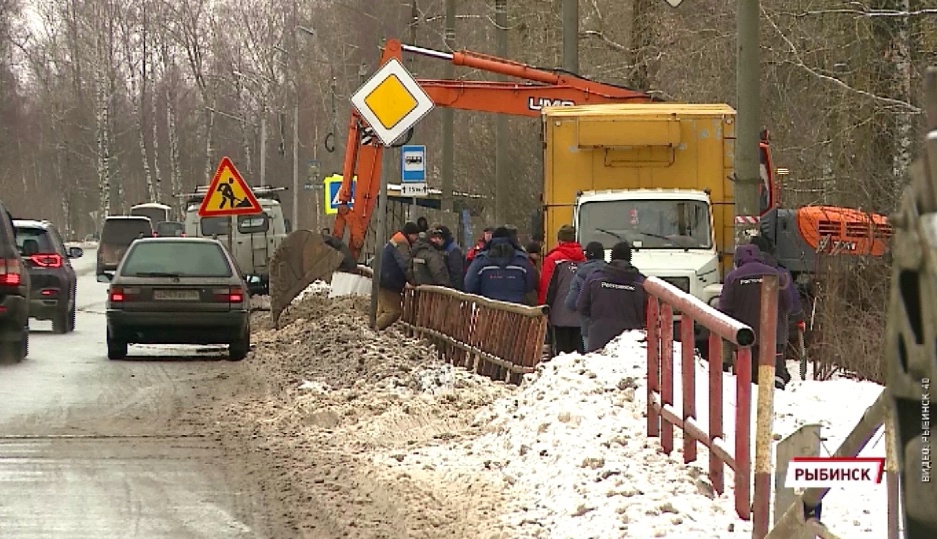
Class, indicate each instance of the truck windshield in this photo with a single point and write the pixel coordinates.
(647, 224)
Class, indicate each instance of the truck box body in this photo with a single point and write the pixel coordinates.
(636, 147)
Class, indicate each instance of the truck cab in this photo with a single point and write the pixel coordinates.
(671, 233)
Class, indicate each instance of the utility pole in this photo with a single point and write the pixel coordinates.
(448, 127)
(263, 144)
(295, 76)
(571, 35)
(748, 131)
(502, 182)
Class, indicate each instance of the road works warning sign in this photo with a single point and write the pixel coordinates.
(228, 194)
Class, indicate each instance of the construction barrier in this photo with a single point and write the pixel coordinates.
(663, 299)
(497, 339)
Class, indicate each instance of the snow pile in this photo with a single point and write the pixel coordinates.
(571, 445)
(572, 448)
(318, 287)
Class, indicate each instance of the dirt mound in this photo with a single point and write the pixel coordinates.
(324, 394)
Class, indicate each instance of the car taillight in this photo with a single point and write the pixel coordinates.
(120, 294)
(10, 272)
(228, 295)
(51, 260)
(116, 294)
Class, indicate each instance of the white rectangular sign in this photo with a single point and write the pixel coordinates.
(414, 190)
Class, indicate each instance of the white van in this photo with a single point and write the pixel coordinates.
(256, 237)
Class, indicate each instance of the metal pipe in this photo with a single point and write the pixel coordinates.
(719, 323)
(423, 51)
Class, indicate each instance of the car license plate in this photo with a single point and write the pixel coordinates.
(176, 295)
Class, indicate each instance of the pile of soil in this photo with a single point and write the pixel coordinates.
(321, 397)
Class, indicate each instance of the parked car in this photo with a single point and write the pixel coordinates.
(170, 229)
(15, 291)
(48, 262)
(177, 291)
(118, 233)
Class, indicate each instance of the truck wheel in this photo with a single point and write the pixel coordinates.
(116, 349)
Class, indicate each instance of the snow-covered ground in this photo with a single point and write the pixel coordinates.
(571, 445)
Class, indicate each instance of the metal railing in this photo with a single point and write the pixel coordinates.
(662, 417)
(497, 339)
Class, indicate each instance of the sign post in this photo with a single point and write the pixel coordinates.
(228, 196)
(391, 102)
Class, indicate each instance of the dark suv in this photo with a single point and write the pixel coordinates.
(14, 294)
(53, 279)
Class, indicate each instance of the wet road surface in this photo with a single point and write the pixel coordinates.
(96, 448)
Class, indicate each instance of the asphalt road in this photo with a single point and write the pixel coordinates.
(96, 448)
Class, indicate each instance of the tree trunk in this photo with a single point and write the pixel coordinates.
(904, 122)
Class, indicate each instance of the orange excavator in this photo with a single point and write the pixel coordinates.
(306, 256)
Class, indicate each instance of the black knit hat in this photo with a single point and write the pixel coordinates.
(446, 233)
(410, 228)
(595, 250)
(501, 232)
(621, 251)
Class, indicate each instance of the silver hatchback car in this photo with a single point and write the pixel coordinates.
(177, 291)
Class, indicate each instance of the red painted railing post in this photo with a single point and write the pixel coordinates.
(743, 432)
(666, 377)
(716, 409)
(688, 384)
(664, 298)
(653, 364)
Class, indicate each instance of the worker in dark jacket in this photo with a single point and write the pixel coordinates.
(455, 260)
(428, 261)
(613, 299)
(567, 248)
(595, 260)
(395, 275)
(565, 324)
(787, 286)
(501, 272)
(741, 299)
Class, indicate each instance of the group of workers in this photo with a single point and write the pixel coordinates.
(591, 300)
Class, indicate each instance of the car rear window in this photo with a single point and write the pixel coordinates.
(39, 235)
(124, 231)
(169, 228)
(188, 259)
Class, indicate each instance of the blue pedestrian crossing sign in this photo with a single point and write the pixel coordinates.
(413, 164)
(333, 185)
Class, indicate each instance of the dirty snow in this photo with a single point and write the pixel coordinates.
(571, 448)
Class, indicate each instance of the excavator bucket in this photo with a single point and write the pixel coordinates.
(302, 258)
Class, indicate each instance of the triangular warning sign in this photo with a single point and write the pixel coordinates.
(228, 194)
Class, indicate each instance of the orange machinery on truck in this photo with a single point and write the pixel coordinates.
(542, 88)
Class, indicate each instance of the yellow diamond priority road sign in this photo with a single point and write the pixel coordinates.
(391, 101)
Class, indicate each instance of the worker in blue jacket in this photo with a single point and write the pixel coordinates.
(502, 272)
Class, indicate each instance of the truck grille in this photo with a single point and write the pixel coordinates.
(683, 283)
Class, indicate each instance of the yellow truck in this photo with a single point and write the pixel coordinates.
(657, 175)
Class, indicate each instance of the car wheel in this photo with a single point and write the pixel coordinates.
(116, 349)
(238, 349)
(60, 322)
(71, 319)
(16, 351)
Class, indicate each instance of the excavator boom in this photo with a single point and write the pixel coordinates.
(541, 88)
